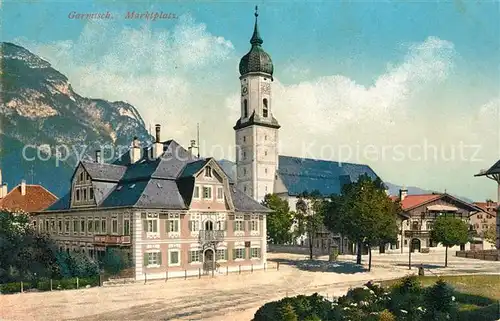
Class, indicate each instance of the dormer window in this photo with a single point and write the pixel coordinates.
(208, 172)
(91, 192)
(81, 176)
(78, 194)
(265, 109)
(84, 194)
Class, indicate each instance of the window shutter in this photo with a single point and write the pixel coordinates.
(146, 257)
(190, 258)
(176, 226)
(234, 226)
(145, 224)
(159, 258)
(234, 254)
(155, 226)
(190, 226)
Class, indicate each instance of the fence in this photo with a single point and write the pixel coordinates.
(487, 255)
(50, 285)
(191, 274)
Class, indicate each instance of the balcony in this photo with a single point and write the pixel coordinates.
(111, 239)
(206, 236)
(417, 233)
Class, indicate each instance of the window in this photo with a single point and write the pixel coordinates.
(254, 225)
(82, 225)
(91, 192)
(244, 171)
(221, 255)
(244, 155)
(66, 226)
(245, 108)
(265, 153)
(265, 137)
(239, 254)
(244, 188)
(265, 170)
(194, 256)
(221, 225)
(208, 172)
(244, 138)
(265, 110)
(103, 226)
(81, 176)
(238, 226)
(88, 177)
(97, 226)
(194, 226)
(46, 226)
(114, 226)
(173, 225)
(75, 226)
(89, 226)
(126, 227)
(173, 258)
(220, 193)
(151, 226)
(152, 259)
(196, 192)
(77, 194)
(59, 225)
(265, 188)
(207, 192)
(255, 252)
(84, 194)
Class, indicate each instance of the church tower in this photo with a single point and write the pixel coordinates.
(256, 129)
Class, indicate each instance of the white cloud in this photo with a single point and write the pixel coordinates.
(186, 75)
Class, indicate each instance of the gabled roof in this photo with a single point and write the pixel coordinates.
(166, 182)
(489, 208)
(305, 174)
(412, 201)
(36, 198)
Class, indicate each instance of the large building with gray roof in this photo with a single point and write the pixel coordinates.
(168, 211)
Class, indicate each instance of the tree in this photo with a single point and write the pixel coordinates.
(490, 234)
(287, 313)
(280, 221)
(363, 213)
(310, 216)
(449, 231)
(24, 253)
(114, 261)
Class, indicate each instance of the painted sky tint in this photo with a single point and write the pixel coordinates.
(356, 74)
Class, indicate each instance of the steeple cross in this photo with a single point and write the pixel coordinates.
(256, 11)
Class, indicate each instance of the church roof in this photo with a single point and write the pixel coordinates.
(166, 182)
(301, 175)
(256, 60)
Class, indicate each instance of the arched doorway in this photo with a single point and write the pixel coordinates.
(415, 245)
(208, 260)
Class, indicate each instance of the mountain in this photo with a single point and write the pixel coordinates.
(41, 112)
(230, 168)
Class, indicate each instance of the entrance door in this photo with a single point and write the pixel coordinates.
(208, 260)
(462, 247)
(415, 245)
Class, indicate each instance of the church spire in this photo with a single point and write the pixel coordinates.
(256, 39)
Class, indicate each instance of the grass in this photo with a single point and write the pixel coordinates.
(478, 296)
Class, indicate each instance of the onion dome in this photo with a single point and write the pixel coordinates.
(256, 60)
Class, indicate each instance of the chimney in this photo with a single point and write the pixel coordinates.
(98, 156)
(403, 193)
(135, 151)
(23, 187)
(157, 146)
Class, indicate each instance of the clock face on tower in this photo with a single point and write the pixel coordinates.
(244, 90)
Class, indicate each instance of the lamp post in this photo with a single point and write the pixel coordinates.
(493, 173)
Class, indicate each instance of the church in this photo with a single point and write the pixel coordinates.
(259, 168)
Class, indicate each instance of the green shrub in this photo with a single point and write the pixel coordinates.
(14, 287)
(287, 313)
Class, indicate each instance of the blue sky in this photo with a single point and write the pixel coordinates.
(362, 73)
